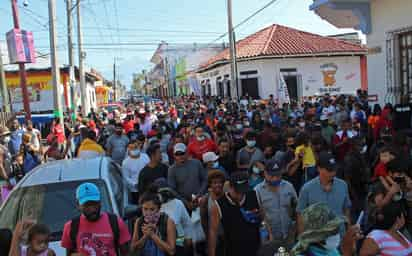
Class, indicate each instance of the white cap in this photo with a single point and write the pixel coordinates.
(209, 157)
(179, 147)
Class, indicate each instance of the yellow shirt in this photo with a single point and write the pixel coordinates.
(308, 159)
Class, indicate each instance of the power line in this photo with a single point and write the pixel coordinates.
(158, 31)
(247, 19)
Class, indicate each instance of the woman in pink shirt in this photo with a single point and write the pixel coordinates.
(386, 239)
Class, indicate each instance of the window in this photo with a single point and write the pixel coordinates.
(39, 203)
(405, 51)
(116, 182)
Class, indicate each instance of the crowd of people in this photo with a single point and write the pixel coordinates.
(213, 176)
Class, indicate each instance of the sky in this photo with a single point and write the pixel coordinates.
(129, 31)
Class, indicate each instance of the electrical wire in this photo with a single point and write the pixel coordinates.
(246, 20)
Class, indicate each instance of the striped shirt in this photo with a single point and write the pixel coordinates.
(388, 245)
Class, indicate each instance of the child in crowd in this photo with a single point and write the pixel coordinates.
(385, 156)
(305, 153)
(37, 240)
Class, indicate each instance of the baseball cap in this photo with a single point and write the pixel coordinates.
(209, 157)
(179, 147)
(87, 192)
(240, 181)
(274, 168)
(327, 161)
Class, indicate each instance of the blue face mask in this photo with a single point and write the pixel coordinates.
(275, 183)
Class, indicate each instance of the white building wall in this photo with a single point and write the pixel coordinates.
(348, 74)
(387, 16)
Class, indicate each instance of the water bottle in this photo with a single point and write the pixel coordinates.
(281, 252)
(264, 233)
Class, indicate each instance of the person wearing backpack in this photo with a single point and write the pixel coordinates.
(94, 232)
(154, 233)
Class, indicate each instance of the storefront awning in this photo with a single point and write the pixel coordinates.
(345, 13)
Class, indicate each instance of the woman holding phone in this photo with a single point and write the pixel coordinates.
(154, 232)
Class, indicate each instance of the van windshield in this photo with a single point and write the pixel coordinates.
(50, 204)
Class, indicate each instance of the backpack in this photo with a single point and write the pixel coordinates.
(74, 230)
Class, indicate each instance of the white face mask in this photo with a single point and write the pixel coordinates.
(215, 165)
(200, 138)
(332, 242)
(6, 140)
(251, 143)
(134, 153)
(256, 170)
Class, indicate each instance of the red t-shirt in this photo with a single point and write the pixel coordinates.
(128, 126)
(58, 131)
(196, 148)
(95, 238)
(380, 170)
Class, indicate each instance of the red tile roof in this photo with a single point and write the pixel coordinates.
(281, 41)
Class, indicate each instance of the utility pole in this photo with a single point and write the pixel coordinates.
(3, 84)
(22, 69)
(54, 63)
(232, 45)
(72, 78)
(81, 57)
(114, 80)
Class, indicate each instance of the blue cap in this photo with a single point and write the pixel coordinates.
(87, 192)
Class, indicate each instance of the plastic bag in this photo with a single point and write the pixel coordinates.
(198, 233)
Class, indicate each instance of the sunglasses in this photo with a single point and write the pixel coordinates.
(180, 153)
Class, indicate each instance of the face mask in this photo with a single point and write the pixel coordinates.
(134, 153)
(239, 127)
(215, 165)
(332, 242)
(168, 120)
(301, 124)
(292, 146)
(93, 216)
(6, 140)
(152, 218)
(246, 124)
(256, 170)
(200, 138)
(251, 143)
(364, 149)
(275, 183)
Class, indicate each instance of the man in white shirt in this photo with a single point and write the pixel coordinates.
(131, 167)
(35, 135)
(328, 110)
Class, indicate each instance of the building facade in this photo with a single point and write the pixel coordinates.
(387, 25)
(309, 64)
(175, 65)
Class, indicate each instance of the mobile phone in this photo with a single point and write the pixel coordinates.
(359, 221)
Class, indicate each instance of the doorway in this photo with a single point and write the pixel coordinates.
(291, 80)
(220, 89)
(228, 89)
(250, 87)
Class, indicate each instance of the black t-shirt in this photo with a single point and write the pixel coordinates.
(241, 237)
(228, 163)
(402, 116)
(148, 175)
